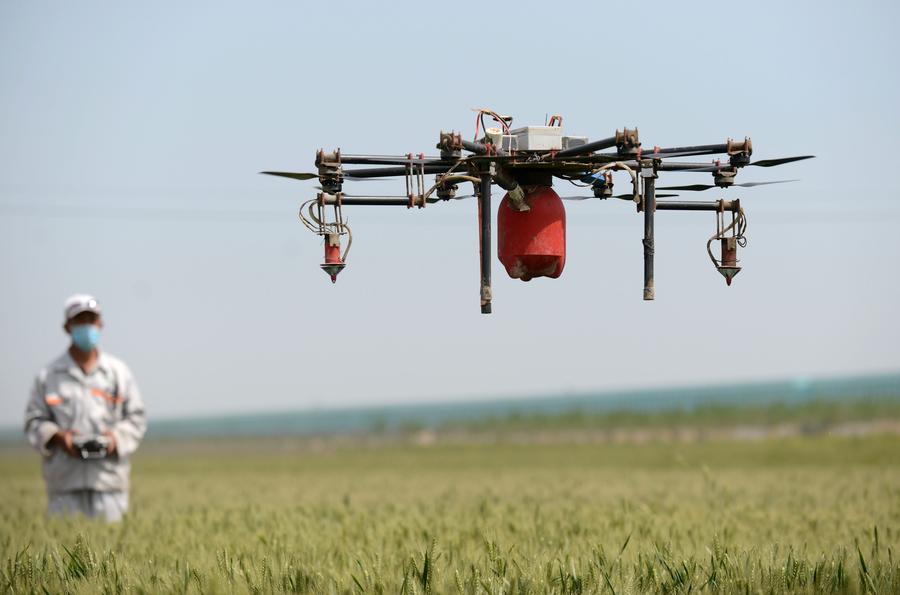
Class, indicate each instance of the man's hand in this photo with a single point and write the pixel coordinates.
(63, 439)
(111, 448)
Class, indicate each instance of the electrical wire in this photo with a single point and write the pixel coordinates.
(615, 166)
(479, 119)
(739, 225)
(323, 228)
(304, 220)
(577, 184)
(349, 242)
(139, 213)
(444, 180)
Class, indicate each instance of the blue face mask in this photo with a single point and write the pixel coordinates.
(85, 336)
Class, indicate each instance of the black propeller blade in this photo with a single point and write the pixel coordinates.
(690, 187)
(628, 196)
(701, 187)
(698, 167)
(463, 197)
(774, 162)
(292, 175)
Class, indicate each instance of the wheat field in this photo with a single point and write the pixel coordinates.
(807, 514)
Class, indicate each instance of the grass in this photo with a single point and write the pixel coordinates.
(805, 514)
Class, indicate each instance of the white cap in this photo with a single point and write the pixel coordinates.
(78, 303)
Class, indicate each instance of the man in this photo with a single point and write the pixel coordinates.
(85, 417)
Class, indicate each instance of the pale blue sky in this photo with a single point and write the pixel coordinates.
(178, 105)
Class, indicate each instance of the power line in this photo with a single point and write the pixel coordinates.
(142, 213)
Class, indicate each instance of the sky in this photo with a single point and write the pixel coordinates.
(133, 134)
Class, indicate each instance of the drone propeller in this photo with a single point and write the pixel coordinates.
(701, 187)
(628, 196)
(774, 162)
(292, 175)
(463, 197)
(714, 168)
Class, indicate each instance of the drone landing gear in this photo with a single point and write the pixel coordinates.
(648, 173)
(484, 244)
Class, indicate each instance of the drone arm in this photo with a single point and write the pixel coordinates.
(387, 172)
(391, 160)
(597, 145)
(372, 201)
(700, 167)
(381, 201)
(686, 151)
(473, 147)
(684, 205)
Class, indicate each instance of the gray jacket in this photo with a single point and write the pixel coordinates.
(107, 399)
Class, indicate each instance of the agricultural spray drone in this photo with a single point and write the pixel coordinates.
(531, 219)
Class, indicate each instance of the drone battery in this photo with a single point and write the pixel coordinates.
(508, 143)
(533, 243)
(538, 138)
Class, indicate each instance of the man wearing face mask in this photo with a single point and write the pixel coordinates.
(86, 417)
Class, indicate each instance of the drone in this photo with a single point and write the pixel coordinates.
(531, 217)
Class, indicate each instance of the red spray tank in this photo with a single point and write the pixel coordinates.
(532, 243)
